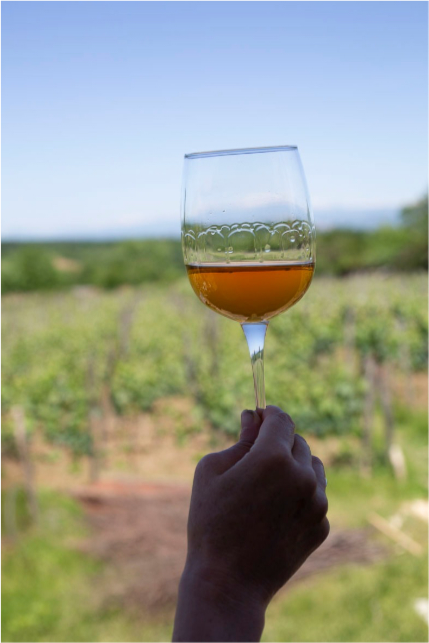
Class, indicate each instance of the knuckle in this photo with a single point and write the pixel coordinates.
(286, 419)
(319, 534)
(298, 438)
(303, 441)
(273, 408)
(322, 531)
(205, 464)
(277, 412)
(320, 507)
(307, 482)
(317, 461)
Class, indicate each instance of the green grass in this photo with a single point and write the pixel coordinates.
(353, 604)
(49, 590)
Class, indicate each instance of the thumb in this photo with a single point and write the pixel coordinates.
(250, 425)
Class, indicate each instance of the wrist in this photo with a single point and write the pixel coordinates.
(217, 582)
(213, 606)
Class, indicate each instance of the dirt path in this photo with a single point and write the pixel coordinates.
(139, 530)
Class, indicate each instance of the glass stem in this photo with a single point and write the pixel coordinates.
(255, 336)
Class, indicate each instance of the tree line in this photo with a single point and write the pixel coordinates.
(49, 266)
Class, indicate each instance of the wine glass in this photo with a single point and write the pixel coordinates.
(248, 237)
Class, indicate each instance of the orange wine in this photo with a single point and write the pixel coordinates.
(250, 292)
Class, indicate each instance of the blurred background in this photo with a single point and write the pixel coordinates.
(116, 379)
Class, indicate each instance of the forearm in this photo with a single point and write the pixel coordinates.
(210, 611)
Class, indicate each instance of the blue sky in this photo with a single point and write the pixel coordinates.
(100, 100)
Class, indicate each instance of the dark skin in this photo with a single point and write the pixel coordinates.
(258, 510)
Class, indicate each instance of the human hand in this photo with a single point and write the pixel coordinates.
(258, 510)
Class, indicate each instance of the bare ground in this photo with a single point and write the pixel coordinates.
(139, 529)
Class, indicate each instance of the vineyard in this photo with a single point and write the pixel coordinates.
(69, 357)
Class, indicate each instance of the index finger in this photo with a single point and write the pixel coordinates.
(277, 429)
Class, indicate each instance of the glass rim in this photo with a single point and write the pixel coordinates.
(243, 150)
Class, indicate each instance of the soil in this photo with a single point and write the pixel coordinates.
(139, 529)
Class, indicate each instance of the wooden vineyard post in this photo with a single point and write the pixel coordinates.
(94, 458)
(108, 420)
(191, 371)
(26, 462)
(189, 361)
(405, 364)
(118, 351)
(349, 339)
(94, 455)
(368, 415)
(386, 403)
(211, 329)
(124, 335)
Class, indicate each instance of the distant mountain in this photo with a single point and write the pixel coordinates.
(356, 219)
(156, 229)
(326, 219)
